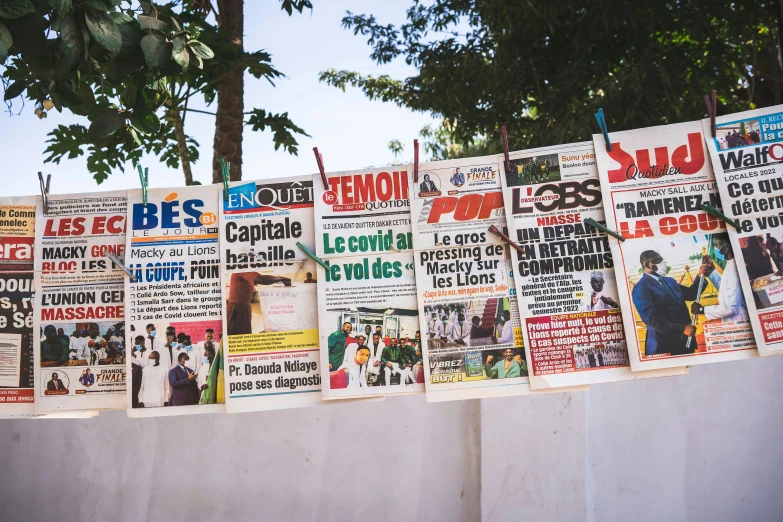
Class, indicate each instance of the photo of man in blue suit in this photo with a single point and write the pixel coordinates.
(660, 302)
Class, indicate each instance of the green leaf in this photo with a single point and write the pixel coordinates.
(150, 23)
(71, 44)
(3, 53)
(157, 51)
(14, 90)
(146, 122)
(179, 52)
(201, 50)
(5, 36)
(103, 29)
(29, 34)
(196, 58)
(99, 5)
(120, 18)
(12, 9)
(135, 137)
(61, 6)
(104, 124)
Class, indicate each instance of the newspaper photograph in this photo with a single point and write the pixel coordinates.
(681, 301)
(78, 337)
(269, 291)
(369, 327)
(455, 202)
(747, 158)
(17, 359)
(175, 322)
(565, 283)
(363, 212)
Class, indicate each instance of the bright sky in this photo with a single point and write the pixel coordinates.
(350, 131)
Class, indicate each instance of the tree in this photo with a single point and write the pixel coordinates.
(543, 69)
(131, 69)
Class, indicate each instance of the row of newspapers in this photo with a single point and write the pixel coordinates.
(410, 292)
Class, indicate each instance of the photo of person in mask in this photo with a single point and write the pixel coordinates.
(154, 389)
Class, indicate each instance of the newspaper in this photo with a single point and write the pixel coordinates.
(271, 314)
(455, 202)
(747, 157)
(79, 304)
(369, 326)
(364, 212)
(684, 300)
(175, 321)
(17, 362)
(565, 282)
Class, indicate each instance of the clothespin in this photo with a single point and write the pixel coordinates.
(495, 230)
(320, 161)
(312, 256)
(144, 177)
(595, 224)
(45, 191)
(415, 161)
(507, 162)
(709, 209)
(122, 267)
(599, 117)
(225, 168)
(712, 109)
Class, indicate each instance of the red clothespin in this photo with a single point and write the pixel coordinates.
(320, 161)
(495, 230)
(712, 109)
(415, 161)
(505, 147)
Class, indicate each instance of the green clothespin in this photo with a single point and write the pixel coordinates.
(312, 255)
(144, 177)
(709, 209)
(595, 224)
(225, 167)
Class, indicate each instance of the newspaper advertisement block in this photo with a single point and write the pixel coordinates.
(572, 321)
(369, 326)
(175, 322)
(17, 360)
(747, 158)
(269, 291)
(455, 202)
(681, 300)
(79, 334)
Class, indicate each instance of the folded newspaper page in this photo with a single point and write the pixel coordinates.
(747, 157)
(565, 284)
(681, 300)
(175, 321)
(269, 291)
(369, 326)
(79, 332)
(17, 361)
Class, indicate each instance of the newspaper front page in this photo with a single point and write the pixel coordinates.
(747, 158)
(681, 301)
(175, 321)
(565, 283)
(17, 361)
(79, 334)
(269, 291)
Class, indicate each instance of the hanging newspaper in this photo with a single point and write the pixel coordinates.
(175, 304)
(364, 212)
(455, 202)
(271, 315)
(79, 334)
(369, 326)
(565, 282)
(680, 299)
(17, 362)
(747, 155)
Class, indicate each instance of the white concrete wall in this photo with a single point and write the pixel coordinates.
(705, 446)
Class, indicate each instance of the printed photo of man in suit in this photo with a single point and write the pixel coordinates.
(660, 302)
(55, 384)
(184, 389)
(427, 185)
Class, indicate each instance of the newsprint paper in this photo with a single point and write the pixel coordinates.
(269, 291)
(175, 323)
(79, 333)
(680, 298)
(747, 155)
(565, 284)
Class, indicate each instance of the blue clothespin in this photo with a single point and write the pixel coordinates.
(144, 177)
(599, 117)
(225, 167)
